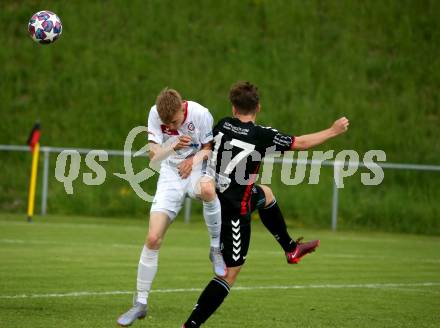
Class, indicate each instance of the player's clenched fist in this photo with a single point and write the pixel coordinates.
(182, 142)
(340, 125)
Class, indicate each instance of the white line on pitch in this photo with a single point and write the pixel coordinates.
(239, 288)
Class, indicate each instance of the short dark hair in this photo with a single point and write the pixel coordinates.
(244, 97)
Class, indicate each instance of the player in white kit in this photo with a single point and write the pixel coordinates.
(178, 134)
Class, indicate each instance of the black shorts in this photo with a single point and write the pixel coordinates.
(258, 199)
(236, 230)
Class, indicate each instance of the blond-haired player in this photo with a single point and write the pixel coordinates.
(178, 133)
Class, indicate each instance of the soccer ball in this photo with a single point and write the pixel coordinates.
(45, 27)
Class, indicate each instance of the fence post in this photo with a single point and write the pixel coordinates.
(337, 166)
(187, 209)
(45, 181)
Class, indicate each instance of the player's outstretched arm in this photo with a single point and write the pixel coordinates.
(314, 139)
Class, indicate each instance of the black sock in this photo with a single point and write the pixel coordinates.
(273, 220)
(210, 299)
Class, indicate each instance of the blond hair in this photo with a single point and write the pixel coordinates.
(168, 103)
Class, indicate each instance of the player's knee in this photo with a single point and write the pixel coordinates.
(153, 241)
(207, 190)
(268, 194)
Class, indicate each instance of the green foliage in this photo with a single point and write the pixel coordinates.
(376, 62)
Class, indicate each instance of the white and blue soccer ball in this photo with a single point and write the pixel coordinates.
(45, 27)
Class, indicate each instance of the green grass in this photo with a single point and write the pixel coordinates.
(61, 255)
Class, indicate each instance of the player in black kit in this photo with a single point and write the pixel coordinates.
(239, 147)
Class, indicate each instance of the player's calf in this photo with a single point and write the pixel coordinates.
(212, 216)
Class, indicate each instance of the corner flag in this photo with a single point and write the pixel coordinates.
(33, 142)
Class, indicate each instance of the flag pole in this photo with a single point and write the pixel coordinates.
(34, 144)
(33, 182)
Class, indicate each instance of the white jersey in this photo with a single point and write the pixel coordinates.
(197, 124)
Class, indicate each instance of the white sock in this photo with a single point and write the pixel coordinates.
(213, 218)
(147, 269)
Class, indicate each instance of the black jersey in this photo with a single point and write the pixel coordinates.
(238, 151)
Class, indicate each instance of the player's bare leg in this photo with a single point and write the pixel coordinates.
(212, 297)
(212, 216)
(147, 268)
(273, 220)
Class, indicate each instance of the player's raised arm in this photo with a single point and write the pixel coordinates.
(314, 139)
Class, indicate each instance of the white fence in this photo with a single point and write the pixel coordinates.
(187, 211)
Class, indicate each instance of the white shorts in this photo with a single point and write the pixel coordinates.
(172, 189)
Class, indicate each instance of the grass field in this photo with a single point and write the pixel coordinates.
(80, 272)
